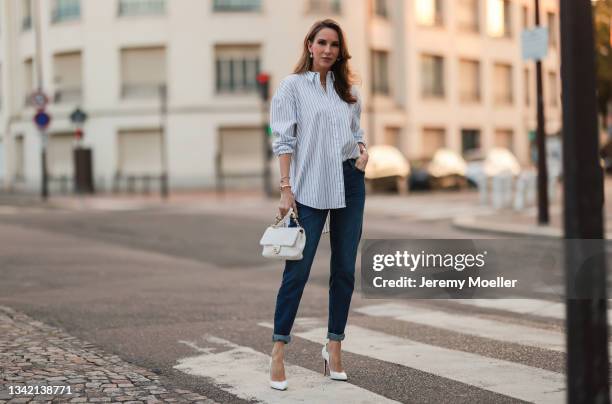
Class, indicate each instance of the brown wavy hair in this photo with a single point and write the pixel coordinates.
(344, 77)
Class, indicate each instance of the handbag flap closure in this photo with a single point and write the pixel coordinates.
(283, 236)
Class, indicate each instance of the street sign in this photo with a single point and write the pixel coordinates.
(534, 43)
(42, 119)
(39, 99)
(78, 116)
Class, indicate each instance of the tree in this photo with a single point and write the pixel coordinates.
(602, 17)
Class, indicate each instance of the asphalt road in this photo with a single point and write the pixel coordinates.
(160, 286)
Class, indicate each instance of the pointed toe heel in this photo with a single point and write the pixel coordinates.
(277, 385)
(340, 376)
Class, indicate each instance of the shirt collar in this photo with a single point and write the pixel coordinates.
(312, 75)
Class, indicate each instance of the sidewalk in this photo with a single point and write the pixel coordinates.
(511, 223)
(38, 358)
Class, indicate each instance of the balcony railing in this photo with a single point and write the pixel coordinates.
(26, 23)
(142, 7)
(237, 5)
(141, 91)
(68, 95)
(324, 6)
(66, 10)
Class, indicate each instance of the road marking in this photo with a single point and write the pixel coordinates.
(485, 328)
(503, 377)
(537, 307)
(243, 372)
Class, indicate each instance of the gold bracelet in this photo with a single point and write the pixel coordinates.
(284, 186)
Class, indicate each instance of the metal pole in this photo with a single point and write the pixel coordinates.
(586, 326)
(163, 113)
(543, 217)
(44, 188)
(267, 177)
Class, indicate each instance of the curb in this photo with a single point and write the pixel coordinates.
(475, 223)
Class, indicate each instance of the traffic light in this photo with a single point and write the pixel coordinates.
(263, 85)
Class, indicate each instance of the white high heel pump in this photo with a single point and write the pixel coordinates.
(277, 385)
(326, 368)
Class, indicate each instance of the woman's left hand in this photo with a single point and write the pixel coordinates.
(362, 161)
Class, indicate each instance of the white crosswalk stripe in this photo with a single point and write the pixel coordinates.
(537, 307)
(244, 372)
(469, 324)
(499, 376)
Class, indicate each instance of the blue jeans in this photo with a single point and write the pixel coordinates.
(345, 232)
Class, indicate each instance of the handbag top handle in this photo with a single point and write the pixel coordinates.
(283, 220)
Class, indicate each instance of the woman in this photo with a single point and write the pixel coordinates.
(317, 136)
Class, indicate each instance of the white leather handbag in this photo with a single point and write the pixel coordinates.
(282, 242)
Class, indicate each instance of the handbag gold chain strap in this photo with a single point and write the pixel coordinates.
(293, 216)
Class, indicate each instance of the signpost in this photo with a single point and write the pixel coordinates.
(535, 47)
(42, 120)
(83, 167)
(263, 85)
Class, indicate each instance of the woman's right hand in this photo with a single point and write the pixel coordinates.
(287, 201)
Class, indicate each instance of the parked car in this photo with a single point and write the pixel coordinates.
(447, 169)
(387, 168)
(496, 161)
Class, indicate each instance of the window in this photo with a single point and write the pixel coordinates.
(469, 80)
(381, 8)
(504, 138)
(28, 80)
(66, 10)
(525, 22)
(139, 152)
(19, 162)
(237, 5)
(502, 83)
(552, 29)
(429, 12)
(499, 18)
(470, 140)
(380, 72)
(142, 7)
(67, 79)
(60, 154)
(468, 15)
(143, 71)
(432, 76)
(392, 137)
(325, 6)
(553, 92)
(240, 151)
(527, 77)
(26, 15)
(237, 68)
(507, 6)
(433, 139)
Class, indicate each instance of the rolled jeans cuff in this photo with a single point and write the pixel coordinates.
(285, 338)
(335, 337)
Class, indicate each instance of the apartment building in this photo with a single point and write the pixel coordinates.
(434, 73)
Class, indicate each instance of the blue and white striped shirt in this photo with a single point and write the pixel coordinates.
(321, 131)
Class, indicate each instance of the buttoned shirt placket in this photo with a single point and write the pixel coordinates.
(327, 93)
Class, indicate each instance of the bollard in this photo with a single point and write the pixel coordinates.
(521, 190)
(530, 196)
(496, 192)
(508, 182)
(482, 182)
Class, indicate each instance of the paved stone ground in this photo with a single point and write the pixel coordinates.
(35, 354)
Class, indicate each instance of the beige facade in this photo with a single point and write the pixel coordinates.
(433, 73)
